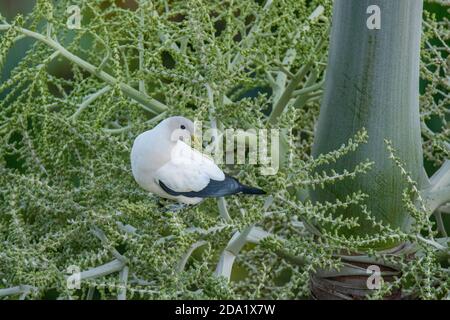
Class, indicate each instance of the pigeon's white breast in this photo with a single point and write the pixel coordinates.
(147, 156)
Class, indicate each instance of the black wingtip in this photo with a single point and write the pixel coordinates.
(251, 190)
(216, 188)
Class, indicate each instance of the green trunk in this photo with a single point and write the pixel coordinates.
(373, 82)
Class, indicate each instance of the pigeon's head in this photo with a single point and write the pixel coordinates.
(180, 128)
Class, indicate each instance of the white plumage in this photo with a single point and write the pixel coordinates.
(161, 158)
(188, 170)
(159, 155)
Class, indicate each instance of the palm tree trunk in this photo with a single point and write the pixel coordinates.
(372, 82)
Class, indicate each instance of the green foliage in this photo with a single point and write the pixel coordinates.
(435, 86)
(73, 106)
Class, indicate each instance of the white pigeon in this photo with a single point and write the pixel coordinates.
(164, 164)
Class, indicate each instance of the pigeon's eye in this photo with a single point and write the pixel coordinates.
(182, 127)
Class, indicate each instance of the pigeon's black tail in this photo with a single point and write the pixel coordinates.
(216, 189)
(251, 190)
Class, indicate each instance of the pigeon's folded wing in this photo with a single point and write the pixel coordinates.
(188, 170)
